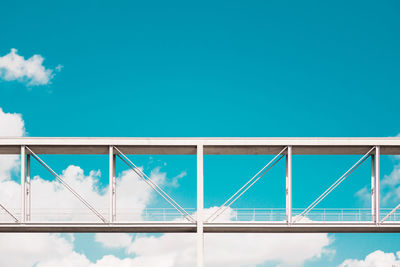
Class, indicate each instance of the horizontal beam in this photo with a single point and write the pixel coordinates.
(212, 146)
(141, 227)
(257, 227)
(233, 227)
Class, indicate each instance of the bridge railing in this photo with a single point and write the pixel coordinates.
(170, 214)
(83, 215)
(317, 214)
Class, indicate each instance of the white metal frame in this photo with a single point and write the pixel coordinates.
(335, 184)
(281, 147)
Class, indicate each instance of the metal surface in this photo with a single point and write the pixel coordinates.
(23, 195)
(217, 146)
(289, 185)
(377, 185)
(276, 227)
(200, 206)
(139, 227)
(373, 188)
(112, 183)
(28, 188)
(228, 227)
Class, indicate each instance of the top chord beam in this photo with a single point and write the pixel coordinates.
(212, 145)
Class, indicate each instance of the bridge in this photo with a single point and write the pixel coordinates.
(199, 220)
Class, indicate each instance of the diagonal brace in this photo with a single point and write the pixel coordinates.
(9, 213)
(247, 186)
(333, 186)
(90, 207)
(390, 213)
(153, 185)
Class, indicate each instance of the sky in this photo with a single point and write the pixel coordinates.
(200, 69)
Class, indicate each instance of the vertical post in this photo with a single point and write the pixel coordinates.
(200, 205)
(373, 188)
(289, 185)
(28, 187)
(377, 177)
(112, 184)
(23, 200)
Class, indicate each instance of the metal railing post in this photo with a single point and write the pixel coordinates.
(289, 185)
(377, 181)
(23, 192)
(28, 188)
(373, 188)
(200, 206)
(112, 184)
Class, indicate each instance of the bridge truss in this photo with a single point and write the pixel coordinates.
(287, 220)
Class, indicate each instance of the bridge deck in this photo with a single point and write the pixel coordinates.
(225, 227)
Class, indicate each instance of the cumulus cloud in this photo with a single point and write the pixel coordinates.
(28, 249)
(114, 240)
(377, 258)
(11, 125)
(14, 67)
(169, 250)
(236, 250)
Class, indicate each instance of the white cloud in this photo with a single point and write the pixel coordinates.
(364, 195)
(114, 240)
(31, 71)
(175, 180)
(59, 67)
(377, 258)
(11, 125)
(169, 250)
(48, 250)
(27, 249)
(8, 163)
(178, 250)
(393, 178)
(391, 186)
(234, 250)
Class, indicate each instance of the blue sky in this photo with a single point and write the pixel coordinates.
(234, 68)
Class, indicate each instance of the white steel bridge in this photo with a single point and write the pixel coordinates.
(198, 220)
